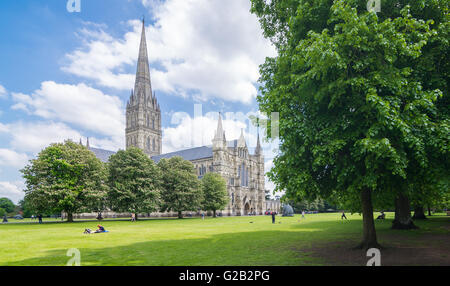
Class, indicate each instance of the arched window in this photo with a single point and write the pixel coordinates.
(148, 143)
(242, 174)
(246, 178)
(154, 147)
(153, 123)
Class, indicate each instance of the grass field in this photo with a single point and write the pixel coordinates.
(319, 239)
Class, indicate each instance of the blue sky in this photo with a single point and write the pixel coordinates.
(68, 75)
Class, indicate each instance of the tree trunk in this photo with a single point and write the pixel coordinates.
(402, 218)
(180, 214)
(369, 233)
(419, 213)
(69, 217)
(214, 213)
(429, 211)
(135, 216)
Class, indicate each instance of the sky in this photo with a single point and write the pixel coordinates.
(66, 72)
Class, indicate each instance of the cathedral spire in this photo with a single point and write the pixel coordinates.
(87, 143)
(220, 134)
(219, 140)
(258, 145)
(241, 141)
(143, 86)
(143, 115)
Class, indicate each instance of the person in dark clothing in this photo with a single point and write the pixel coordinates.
(100, 229)
(273, 216)
(343, 215)
(40, 218)
(382, 216)
(5, 219)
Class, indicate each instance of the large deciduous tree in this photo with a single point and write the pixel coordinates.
(7, 205)
(134, 182)
(181, 188)
(214, 192)
(353, 112)
(64, 177)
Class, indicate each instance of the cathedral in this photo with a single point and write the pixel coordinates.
(243, 172)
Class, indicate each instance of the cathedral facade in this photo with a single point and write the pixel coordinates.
(242, 171)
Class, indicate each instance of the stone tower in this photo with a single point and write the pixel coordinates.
(219, 150)
(143, 117)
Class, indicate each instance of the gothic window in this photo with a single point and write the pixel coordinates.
(242, 168)
(211, 168)
(246, 178)
(154, 147)
(232, 198)
(148, 143)
(148, 122)
(204, 170)
(153, 123)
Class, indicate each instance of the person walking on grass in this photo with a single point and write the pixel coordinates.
(203, 215)
(40, 218)
(343, 215)
(133, 217)
(303, 214)
(273, 216)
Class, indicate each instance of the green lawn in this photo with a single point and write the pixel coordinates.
(222, 241)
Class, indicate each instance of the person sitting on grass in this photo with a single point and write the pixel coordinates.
(100, 229)
(382, 215)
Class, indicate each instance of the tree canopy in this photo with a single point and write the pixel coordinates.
(134, 182)
(215, 192)
(181, 188)
(64, 177)
(7, 205)
(356, 121)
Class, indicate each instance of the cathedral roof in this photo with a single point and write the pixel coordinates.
(188, 154)
(102, 154)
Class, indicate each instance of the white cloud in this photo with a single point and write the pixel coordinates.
(3, 92)
(3, 128)
(11, 158)
(32, 137)
(210, 48)
(80, 105)
(12, 191)
(103, 57)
